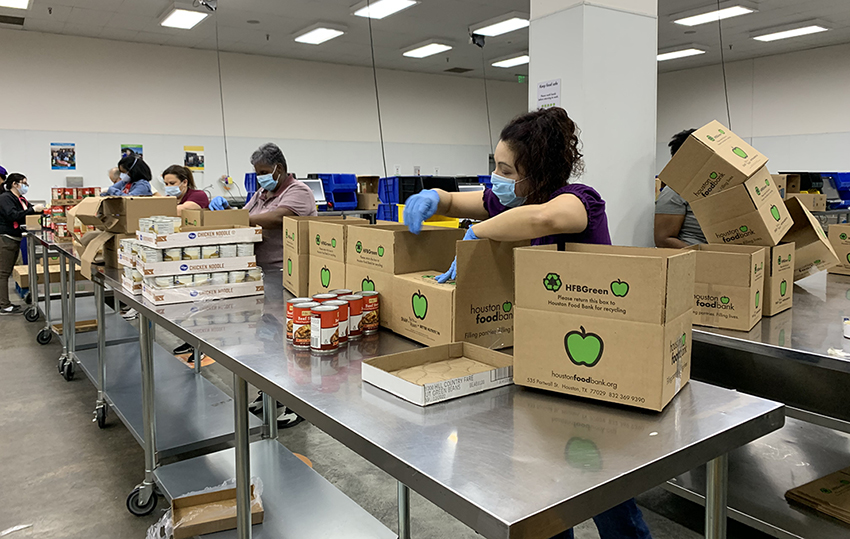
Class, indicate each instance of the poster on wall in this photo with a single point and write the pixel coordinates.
(193, 157)
(549, 94)
(63, 156)
(132, 149)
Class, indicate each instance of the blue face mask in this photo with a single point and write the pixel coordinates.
(267, 181)
(23, 189)
(505, 190)
(172, 190)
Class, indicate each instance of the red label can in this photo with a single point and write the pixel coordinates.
(57, 192)
(321, 298)
(301, 314)
(289, 308)
(343, 318)
(355, 315)
(58, 211)
(341, 292)
(324, 330)
(371, 312)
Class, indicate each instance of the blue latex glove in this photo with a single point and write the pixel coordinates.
(419, 208)
(451, 275)
(219, 203)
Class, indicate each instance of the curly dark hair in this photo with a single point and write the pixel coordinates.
(679, 139)
(547, 148)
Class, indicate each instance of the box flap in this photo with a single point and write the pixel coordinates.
(94, 246)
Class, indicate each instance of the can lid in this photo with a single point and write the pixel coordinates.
(352, 297)
(340, 291)
(324, 296)
(323, 308)
(299, 300)
(337, 302)
(308, 304)
(367, 293)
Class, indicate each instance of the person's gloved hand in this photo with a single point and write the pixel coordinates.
(219, 203)
(38, 208)
(419, 208)
(451, 275)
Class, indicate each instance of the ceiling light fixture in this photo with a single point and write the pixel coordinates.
(707, 15)
(513, 61)
(789, 31)
(182, 15)
(381, 8)
(319, 33)
(15, 4)
(428, 48)
(689, 50)
(501, 25)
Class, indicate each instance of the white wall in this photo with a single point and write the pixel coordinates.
(795, 108)
(102, 94)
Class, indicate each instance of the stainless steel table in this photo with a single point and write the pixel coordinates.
(509, 463)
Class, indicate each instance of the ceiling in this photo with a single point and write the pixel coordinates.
(278, 20)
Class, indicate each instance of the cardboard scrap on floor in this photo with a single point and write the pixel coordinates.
(210, 512)
(829, 495)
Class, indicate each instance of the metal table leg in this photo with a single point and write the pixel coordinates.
(717, 479)
(196, 359)
(70, 330)
(31, 313)
(142, 500)
(63, 302)
(45, 335)
(270, 416)
(243, 459)
(403, 511)
(101, 408)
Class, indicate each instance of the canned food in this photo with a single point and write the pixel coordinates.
(324, 328)
(209, 251)
(254, 274)
(61, 230)
(172, 254)
(128, 272)
(355, 315)
(244, 249)
(220, 319)
(178, 223)
(238, 318)
(191, 253)
(163, 227)
(149, 281)
(202, 279)
(228, 250)
(126, 246)
(343, 318)
(57, 192)
(289, 311)
(184, 280)
(149, 254)
(219, 278)
(234, 277)
(137, 276)
(341, 292)
(370, 322)
(145, 224)
(321, 298)
(301, 321)
(164, 282)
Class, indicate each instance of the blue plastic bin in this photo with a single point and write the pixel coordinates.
(485, 181)
(342, 200)
(387, 212)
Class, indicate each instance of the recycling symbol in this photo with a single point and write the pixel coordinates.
(552, 282)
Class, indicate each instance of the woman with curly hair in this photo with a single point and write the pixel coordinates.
(537, 155)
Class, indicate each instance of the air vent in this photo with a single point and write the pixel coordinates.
(14, 21)
(458, 70)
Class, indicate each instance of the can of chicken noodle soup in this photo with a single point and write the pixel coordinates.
(371, 311)
(290, 305)
(355, 315)
(343, 318)
(301, 314)
(324, 329)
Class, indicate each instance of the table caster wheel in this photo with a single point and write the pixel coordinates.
(134, 506)
(100, 415)
(68, 371)
(62, 361)
(44, 336)
(28, 298)
(31, 315)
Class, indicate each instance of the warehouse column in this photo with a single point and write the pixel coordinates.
(597, 60)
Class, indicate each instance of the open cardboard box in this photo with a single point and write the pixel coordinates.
(192, 236)
(812, 249)
(329, 238)
(781, 183)
(839, 238)
(476, 308)
(296, 233)
(430, 375)
(779, 279)
(748, 214)
(121, 214)
(812, 202)
(209, 512)
(204, 217)
(297, 246)
(711, 159)
(605, 323)
(367, 192)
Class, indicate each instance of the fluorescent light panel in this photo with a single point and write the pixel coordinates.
(796, 32)
(512, 62)
(183, 18)
(503, 27)
(684, 53)
(383, 8)
(15, 4)
(714, 16)
(318, 36)
(427, 50)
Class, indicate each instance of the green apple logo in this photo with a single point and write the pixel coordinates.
(783, 287)
(757, 299)
(583, 348)
(713, 175)
(684, 339)
(358, 247)
(333, 242)
(619, 288)
(758, 192)
(817, 262)
(744, 228)
(367, 285)
(724, 300)
(552, 282)
(848, 257)
(709, 137)
(289, 266)
(583, 454)
(843, 236)
(380, 250)
(767, 183)
(507, 306)
(326, 277)
(420, 305)
(318, 239)
(739, 152)
(774, 211)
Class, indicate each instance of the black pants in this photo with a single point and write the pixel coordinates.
(9, 249)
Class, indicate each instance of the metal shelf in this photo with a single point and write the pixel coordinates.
(118, 330)
(298, 501)
(191, 413)
(761, 472)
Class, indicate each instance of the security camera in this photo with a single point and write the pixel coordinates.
(209, 4)
(477, 40)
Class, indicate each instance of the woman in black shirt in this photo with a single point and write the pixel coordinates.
(14, 208)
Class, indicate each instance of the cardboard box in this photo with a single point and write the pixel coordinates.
(439, 373)
(209, 512)
(779, 279)
(748, 214)
(812, 202)
(393, 249)
(215, 218)
(367, 192)
(184, 267)
(328, 238)
(296, 234)
(33, 222)
(477, 308)
(325, 275)
(812, 250)
(792, 182)
(606, 323)
(121, 214)
(711, 159)
(22, 277)
(729, 286)
(830, 495)
(296, 275)
(368, 184)
(367, 201)
(164, 296)
(358, 278)
(131, 286)
(839, 238)
(781, 183)
(192, 236)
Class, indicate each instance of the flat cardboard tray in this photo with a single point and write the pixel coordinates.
(204, 265)
(192, 236)
(131, 286)
(164, 296)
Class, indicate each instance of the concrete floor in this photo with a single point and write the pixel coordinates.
(64, 477)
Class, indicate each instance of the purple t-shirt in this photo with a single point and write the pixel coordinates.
(597, 222)
(198, 197)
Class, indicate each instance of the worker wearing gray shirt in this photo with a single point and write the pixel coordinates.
(676, 226)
